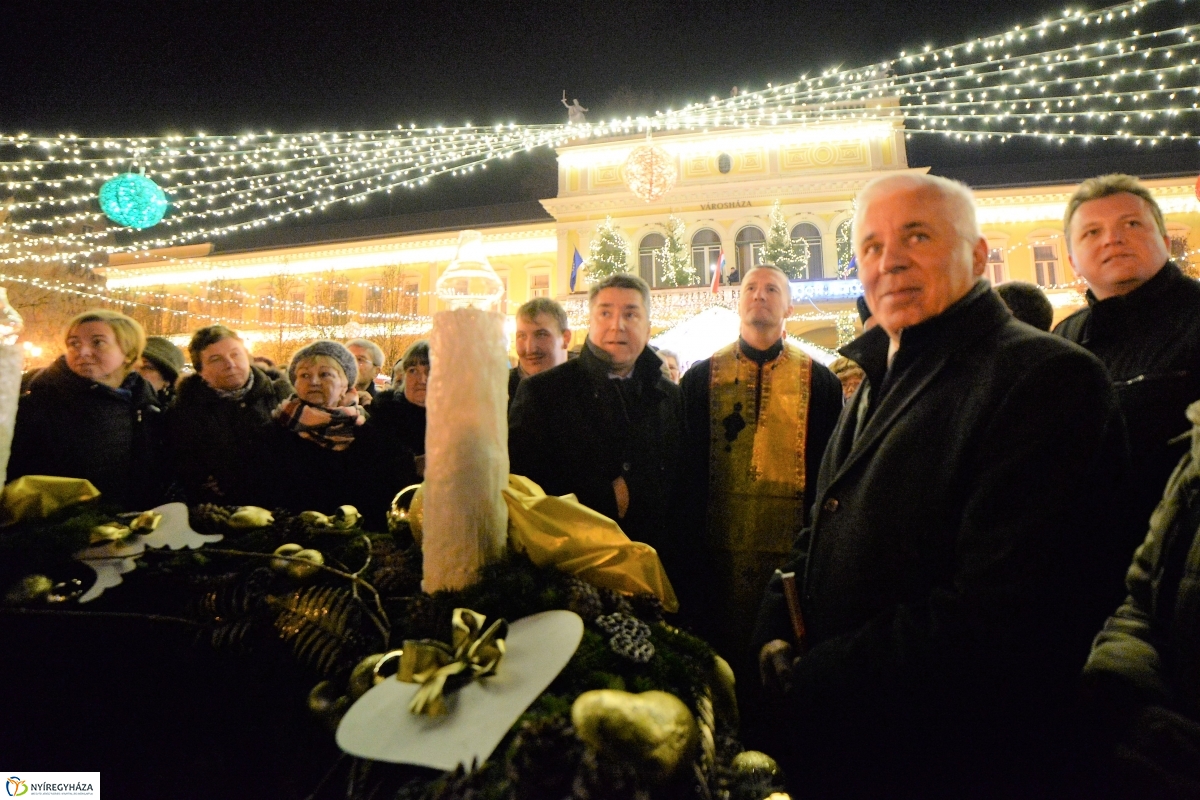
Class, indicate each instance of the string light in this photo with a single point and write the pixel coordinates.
(1110, 74)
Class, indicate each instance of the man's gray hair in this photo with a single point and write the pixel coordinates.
(621, 280)
(373, 350)
(956, 196)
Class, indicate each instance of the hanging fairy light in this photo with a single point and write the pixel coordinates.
(649, 171)
(1128, 73)
(133, 200)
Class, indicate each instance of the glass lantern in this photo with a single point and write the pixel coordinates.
(469, 281)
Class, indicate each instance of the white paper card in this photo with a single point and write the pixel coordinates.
(380, 727)
(111, 560)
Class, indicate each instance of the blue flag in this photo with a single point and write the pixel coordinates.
(575, 268)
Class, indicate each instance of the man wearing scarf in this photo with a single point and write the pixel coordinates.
(606, 426)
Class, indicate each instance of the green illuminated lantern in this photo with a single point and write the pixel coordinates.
(133, 200)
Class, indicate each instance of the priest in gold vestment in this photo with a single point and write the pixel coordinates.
(759, 413)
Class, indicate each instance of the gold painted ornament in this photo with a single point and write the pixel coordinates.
(754, 763)
(250, 517)
(301, 571)
(288, 550)
(408, 511)
(364, 676)
(328, 704)
(28, 589)
(653, 730)
(649, 171)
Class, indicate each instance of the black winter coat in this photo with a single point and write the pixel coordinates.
(76, 428)
(960, 557)
(400, 418)
(301, 475)
(1149, 340)
(217, 444)
(572, 429)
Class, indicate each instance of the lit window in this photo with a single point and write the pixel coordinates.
(749, 244)
(266, 308)
(648, 257)
(809, 233)
(997, 269)
(408, 300)
(1045, 263)
(539, 286)
(296, 308)
(706, 251)
(373, 299)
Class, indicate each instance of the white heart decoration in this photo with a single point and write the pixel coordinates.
(380, 727)
(111, 560)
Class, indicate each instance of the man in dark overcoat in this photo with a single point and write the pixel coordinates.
(606, 426)
(1142, 320)
(961, 537)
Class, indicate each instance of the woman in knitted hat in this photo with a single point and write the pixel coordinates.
(324, 450)
(161, 364)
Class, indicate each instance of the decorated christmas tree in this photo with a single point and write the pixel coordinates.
(780, 250)
(675, 256)
(608, 254)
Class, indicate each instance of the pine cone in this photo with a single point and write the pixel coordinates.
(209, 518)
(615, 602)
(544, 758)
(398, 571)
(630, 637)
(647, 607)
(584, 599)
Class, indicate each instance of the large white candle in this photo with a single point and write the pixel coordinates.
(466, 436)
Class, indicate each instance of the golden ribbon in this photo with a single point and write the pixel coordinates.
(39, 496)
(561, 532)
(441, 668)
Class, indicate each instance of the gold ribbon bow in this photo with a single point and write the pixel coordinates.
(441, 668)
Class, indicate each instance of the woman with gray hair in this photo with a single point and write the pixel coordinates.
(323, 437)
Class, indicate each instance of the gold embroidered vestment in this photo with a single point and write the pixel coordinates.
(758, 429)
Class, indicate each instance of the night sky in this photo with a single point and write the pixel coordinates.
(181, 66)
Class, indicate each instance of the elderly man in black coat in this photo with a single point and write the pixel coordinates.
(961, 546)
(606, 426)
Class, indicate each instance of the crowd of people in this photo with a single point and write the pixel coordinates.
(910, 569)
(118, 409)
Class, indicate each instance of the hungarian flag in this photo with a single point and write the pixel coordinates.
(575, 268)
(717, 270)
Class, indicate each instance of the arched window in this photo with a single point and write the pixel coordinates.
(706, 250)
(809, 233)
(749, 245)
(648, 257)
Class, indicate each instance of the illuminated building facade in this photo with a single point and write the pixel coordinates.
(727, 183)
